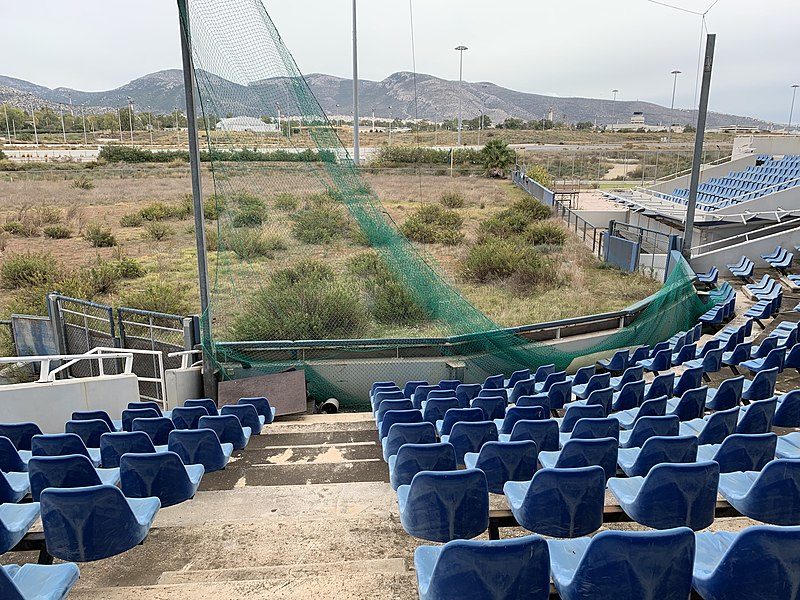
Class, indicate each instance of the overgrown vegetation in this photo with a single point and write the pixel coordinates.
(434, 224)
(127, 154)
(249, 210)
(320, 221)
(99, 236)
(540, 175)
(159, 296)
(28, 269)
(515, 220)
(497, 157)
(400, 155)
(82, 182)
(248, 243)
(158, 230)
(452, 199)
(57, 232)
(387, 299)
(286, 202)
(499, 259)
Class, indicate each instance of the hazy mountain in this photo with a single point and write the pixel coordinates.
(437, 99)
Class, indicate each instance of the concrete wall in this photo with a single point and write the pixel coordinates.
(785, 199)
(706, 173)
(50, 405)
(182, 384)
(752, 249)
(766, 144)
(599, 218)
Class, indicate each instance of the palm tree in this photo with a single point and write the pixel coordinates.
(497, 157)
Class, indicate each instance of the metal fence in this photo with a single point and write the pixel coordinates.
(81, 325)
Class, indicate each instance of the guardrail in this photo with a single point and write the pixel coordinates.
(745, 237)
(46, 374)
(184, 356)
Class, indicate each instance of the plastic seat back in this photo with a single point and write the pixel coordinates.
(719, 425)
(552, 379)
(247, 415)
(775, 494)
(129, 414)
(583, 375)
(494, 392)
(602, 397)
(757, 416)
(10, 460)
(466, 392)
(647, 427)
(519, 413)
(542, 400)
(523, 387)
(507, 461)
(655, 407)
(158, 474)
(113, 445)
(597, 382)
(58, 444)
(449, 384)
(157, 428)
(618, 362)
(187, 417)
(728, 395)
(435, 408)
(408, 433)
(89, 523)
(263, 407)
(543, 432)
(664, 449)
(91, 415)
(401, 404)
(440, 393)
(447, 505)
(740, 452)
(198, 446)
(70, 471)
(470, 436)
(383, 395)
(493, 407)
(518, 376)
(410, 386)
(630, 396)
(154, 405)
(515, 568)
(420, 395)
(593, 428)
(661, 361)
(543, 371)
(228, 429)
(692, 404)
(382, 384)
(494, 381)
(413, 458)
(207, 403)
(398, 416)
(690, 379)
(580, 411)
(456, 415)
(89, 431)
(787, 413)
(586, 453)
(662, 385)
(761, 388)
(559, 394)
(20, 434)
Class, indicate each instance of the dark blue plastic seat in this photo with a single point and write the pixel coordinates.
(70, 471)
(200, 447)
(618, 362)
(440, 506)
(410, 386)
(788, 445)
(771, 495)
(543, 372)
(149, 404)
(89, 431)
(647, 427)
(740, 452)
(493, 392)
(630, 396)
(690, 379)
(519, 413)
(582, 375)
(113, 445)
(662, 385)
(596, 382)
(11, 459)
(228, 429)
(564, 502)
(655, 407)
(470, 436)
(787, 412)
(440, 392)
(602, 397)
(774, 360)
(660, 361)
(670, 495)
(552, 379)
(418, 397)
(518, 376)
(494, 381)
(401, 404)
(91, 523)
(91, 415)
(584, 453)
(263, 407)
(398, 416)
(37, 582)
(407, 433)
(504, 461)
(523, 387)
(492, 407)
(516, 568)
(714, 428)
(591, 429)
(542, 400)
(129, 414)
(691, 405)
(156, 428)
(161, 475)
(381, 395)
(466, 392)
(456, 415)
(630, 375)
(656, 450)
(449, 384)
(207, 403)
(761, 387)
(624, 565)
(13, 487)
(247, 414)
(758, 562)
(757, 416)
(60, 444)
(577, 412)
(727, 395)
(410, 459)
(542, 431)
(187, 417)
(20, 434)
(559, 394)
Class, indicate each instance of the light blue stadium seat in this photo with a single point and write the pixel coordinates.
(60, 444)
(161, 475)
(564, 502)
(187, 417)
(13, 487)
(470, 436)
(741, 452)
(15, 521)
(771, 495)
(89, 431)
(647, 427)
(407, 433)
(656, 450)
(156, 428)
(263, 407)
(113, 445)
(713, 428)
(247, 414)
(504, 461)
(412, 458)
(200, 447)
(70, 471)
(37, 582)
(542, 431)
(584, 453)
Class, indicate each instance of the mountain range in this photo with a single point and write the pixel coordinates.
(436, 99)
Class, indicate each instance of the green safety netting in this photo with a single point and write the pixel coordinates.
(282, 183)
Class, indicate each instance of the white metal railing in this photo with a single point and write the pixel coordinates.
(719, 161)
(743, 237)
(185, 354)
(46, 374)
(158, 361)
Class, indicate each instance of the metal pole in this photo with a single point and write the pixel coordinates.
(675, 74)
(8, 129)
(130, 116)
(35, 132)
(197, 196)
(708, 63)
(63, 127)
(83, 118)
(460, 86)
(356, 149)
(791, 110)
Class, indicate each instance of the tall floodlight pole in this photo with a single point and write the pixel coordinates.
(708, 63)
(675, 74)
(615, 105)
(35, 132)
(791, 110)
(63, 127)
(8, 128)
(177, 134)
(119, 119)
(130, 116)
(197, 196)
(460, 50)
(356, 149)
(83, 118)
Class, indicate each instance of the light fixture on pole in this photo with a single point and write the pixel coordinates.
(675, 74)
(615, 105)
(63, 127)
(791, 110)
(460, 50)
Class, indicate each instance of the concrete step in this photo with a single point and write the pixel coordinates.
(297, 474)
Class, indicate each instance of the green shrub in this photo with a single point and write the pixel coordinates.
(515, 220)
(212, 239)
(156, 211)
(534, 271)
(532, 208)
(452, 199)
(253, 243)
(491, 260)
(57, 232)
(286, 202)
(249, 216)
(99, 236)
(546, 233)
(368, 265)
(46, 215)
(131, 219)
(392, 304)
(32, 300)
(159, 296)
(82, 182)
(25, 228)
(30, 269)
(432, 223)
(497, 157)
(303, 302)
(103, 279)
(157, 230)
(540, 175)
(320, 224)
(213, 206)
(128, 268)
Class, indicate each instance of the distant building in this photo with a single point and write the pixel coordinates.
(246, 124)
(637, 122)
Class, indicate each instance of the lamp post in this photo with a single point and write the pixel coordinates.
(8, 128)
(63, 127)
(675, 74)
(391, 121)
(460, 50)
(614, 92)
(791, 110)
(83, 119)
(35, 133)
(130, 116)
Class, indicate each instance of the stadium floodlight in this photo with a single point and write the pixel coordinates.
(460, 50)
(791, 110)
(674, 74)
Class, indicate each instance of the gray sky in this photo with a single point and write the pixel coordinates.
(559, 47)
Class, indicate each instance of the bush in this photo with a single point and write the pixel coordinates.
(432, 223)
(212, 239)
(249, 216)
(540, 175)
(452, 199)
(303, 302)
(546, 233)
(57, 232)
(23, 228)
(131, 220)
(103, 279)
(128, 268)
(82, 182)
(253, 243)
(392, 304)
(159, 296)
(491, 260)
(99, 236)
(156, 230)
(30, 269)
(319, 224)
(497, 157)
(391, 155)
(286, 202)
(46, 215)
(213, 206)
(534, 270)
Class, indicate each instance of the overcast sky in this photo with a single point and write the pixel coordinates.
(560, 47)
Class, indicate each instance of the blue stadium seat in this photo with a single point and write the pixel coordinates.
(90, 415)
(504, 461)
(493, 407)
(543, 372)
(523, 387)
(440, 506)
(639, 354)
(690, 379)
(470, 436)
(207, 403)
(113, 445)
(662, 385)
(517, 376)
(714, 428)
(582, 375)
(156, 428)
(410, 459)
(247, 414)
(711, 362)
(466, 392)
(407, 433)
(90, 523)
(741, 452)
(12, 459)
(758, 562)
(149, 404)
(187, 417)
(564, 502)
(735, 357)
(493, 392)
(542, 400)
(551, 380)
(89, 431)
(602, 397)
(409, 387)
(618, 362)
(200, 447)
(727, 395)
(129, 414)
(457, 415)
(433, 409)
(542, 431)
(647, 427)
(37, 582)
(774, 360)
(591, 429)
(161, 475)
(494, 382)
(517, 568)
(584, 453)
(20, 434)
(397, 416)
(661, 361)
(15, 521)
(392, 394)
(771, 495)
(559, 394)
(787, 412)
(596, 382)
(579, 411)
(449, 384)
(691, 405)
(630, 396)
(670, 495)
(656, 450)
(439, 392)
(519, 413)
(655, 407)
(70, 471)
(757, 416)
(263, 407)
(624, 565)
(59, 444)
(762, 386)
(13, 487)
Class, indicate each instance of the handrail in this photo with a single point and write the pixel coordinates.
(46, 375)
(185, 354)
(669, 197)
(717, 161)
(157, 355)
(743, 237)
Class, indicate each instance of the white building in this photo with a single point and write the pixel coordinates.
(246, 124)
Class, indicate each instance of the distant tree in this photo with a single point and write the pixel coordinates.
(497, 157)
(689, 128)
(540, 175)
(582, 125)
(512, 123)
